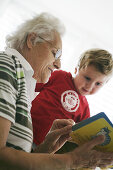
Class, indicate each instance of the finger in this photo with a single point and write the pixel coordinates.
(108, 156)
(71, 121)
(65, 122)
(106, 162)
(96, 141)
(63, 131)
(64, 138)
(58, 133)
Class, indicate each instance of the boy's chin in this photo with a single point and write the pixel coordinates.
(83, 93)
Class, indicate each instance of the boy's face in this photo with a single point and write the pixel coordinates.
(89, 80)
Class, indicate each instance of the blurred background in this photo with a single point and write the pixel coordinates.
(89, 24)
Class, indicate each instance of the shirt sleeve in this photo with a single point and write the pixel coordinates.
(8, 88)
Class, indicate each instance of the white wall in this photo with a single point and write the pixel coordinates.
(89, 23)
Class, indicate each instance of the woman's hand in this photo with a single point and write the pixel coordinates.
(57, 136)
(85, 156)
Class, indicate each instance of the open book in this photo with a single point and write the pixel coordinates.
(90, 128)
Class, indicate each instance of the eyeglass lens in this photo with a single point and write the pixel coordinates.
(58, 54)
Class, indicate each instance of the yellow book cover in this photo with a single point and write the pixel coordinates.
(88, 129)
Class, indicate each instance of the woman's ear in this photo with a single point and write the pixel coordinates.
(31, 39)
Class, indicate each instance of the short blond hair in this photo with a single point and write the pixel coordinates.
(101, 59)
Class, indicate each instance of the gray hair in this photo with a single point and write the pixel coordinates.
(43, 25)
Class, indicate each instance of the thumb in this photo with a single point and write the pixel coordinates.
(96, 141)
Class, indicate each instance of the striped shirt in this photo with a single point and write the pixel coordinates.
(14, 102)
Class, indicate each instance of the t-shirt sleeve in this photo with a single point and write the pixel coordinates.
(86, 113)
(86, 109)
(8, 88)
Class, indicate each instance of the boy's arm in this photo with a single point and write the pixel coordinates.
(86, 111)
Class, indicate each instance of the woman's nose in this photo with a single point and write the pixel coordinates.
(57, 63)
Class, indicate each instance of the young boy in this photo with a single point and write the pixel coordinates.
(63, 96)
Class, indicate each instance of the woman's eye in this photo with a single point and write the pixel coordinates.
(54, 54)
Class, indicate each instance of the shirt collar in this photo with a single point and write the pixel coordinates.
(23, 61)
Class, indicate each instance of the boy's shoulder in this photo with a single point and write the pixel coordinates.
(60, 73)
(59, 76)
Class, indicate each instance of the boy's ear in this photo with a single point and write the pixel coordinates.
(30, 39)
(76, 70)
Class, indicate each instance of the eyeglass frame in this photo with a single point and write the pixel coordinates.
(58, 53)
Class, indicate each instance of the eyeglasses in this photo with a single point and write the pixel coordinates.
(58, 52)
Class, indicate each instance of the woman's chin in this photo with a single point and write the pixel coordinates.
(46, 79)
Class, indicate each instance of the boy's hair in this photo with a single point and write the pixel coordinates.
(101, 59)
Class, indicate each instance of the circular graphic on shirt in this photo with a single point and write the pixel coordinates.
(70, 100)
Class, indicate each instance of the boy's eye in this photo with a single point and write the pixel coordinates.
(98, 84)
(87, 78)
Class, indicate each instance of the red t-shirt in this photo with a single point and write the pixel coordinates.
(57, 99)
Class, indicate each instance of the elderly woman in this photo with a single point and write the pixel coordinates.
(32, 53)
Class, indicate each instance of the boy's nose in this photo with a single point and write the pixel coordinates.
(89, 86)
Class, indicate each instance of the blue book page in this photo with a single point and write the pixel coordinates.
(91, 119)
